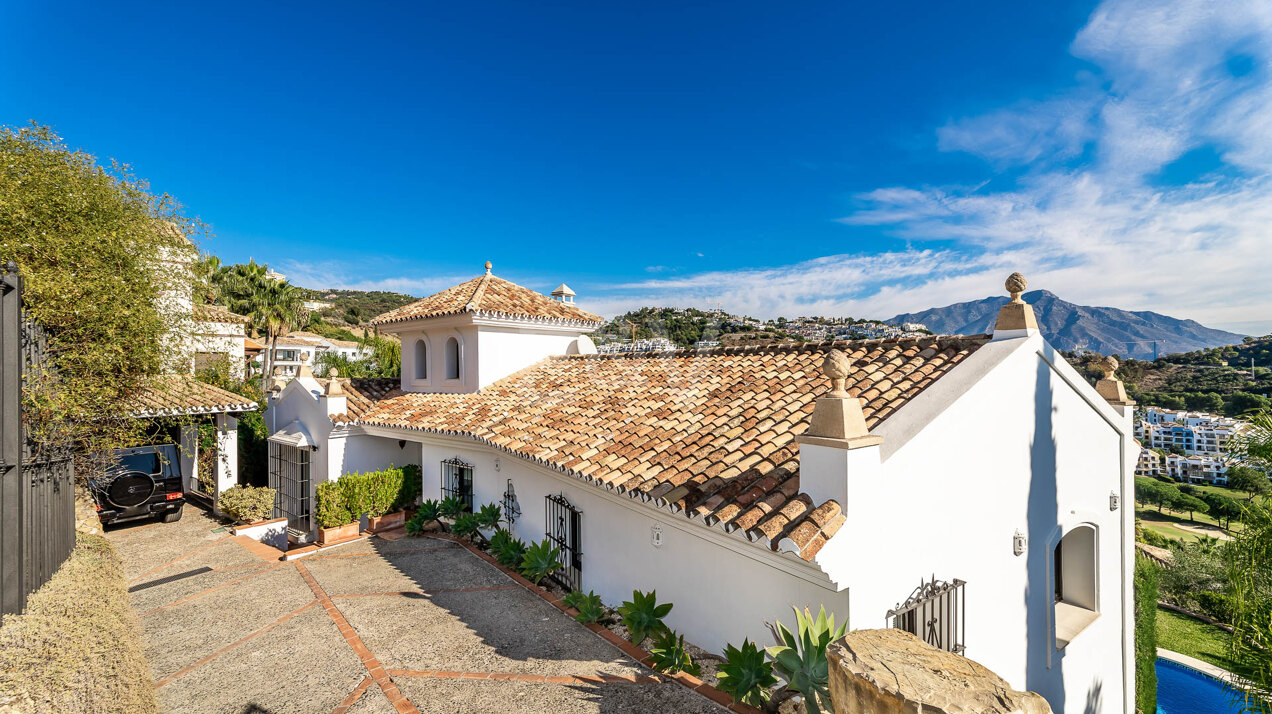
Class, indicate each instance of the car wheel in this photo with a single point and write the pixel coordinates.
(173, 516)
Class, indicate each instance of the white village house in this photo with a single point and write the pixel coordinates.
(738, 482)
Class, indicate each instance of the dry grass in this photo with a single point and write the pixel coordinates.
(77, 648)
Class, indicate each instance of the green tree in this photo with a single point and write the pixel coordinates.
(1186, 502)
(95, 248)
(1250, 583)
(277, 308)
(1252, 481)
(1244, 402)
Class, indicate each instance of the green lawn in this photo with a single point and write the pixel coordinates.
(1183, 634)
(1164, 523)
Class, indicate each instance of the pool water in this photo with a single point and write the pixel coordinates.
(1183, 690)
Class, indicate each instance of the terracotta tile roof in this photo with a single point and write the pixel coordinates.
(361, 393)
(216, 313)
(710, 434)
(489, 295)
(178, 395)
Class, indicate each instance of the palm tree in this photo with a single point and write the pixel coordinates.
(277, 307)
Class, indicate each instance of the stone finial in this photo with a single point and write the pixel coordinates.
(1016, 285)
(488, 267)
(305, 370)
(277, 382)
(1016, 318)
(837, 419)
(836, 366)
(334, 389)
(1109, 366)
(1111, 388)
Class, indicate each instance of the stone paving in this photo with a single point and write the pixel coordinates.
(375, 626)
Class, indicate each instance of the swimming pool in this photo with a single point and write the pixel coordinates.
(1184, 690)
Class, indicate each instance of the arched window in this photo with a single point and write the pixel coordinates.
(421, 359)
(452, 358)
(1074, 580)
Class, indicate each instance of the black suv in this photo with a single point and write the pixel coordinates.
(145, 482)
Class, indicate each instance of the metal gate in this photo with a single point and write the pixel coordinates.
(289, 477)
(37, 492)
(935, 612)
(563, 530)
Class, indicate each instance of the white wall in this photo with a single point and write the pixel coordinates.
(723, 588)
(952, 496)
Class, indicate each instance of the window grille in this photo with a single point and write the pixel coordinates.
(563, 530)
(289, 477)
(511, 509)
(935, 612)
(457, 481)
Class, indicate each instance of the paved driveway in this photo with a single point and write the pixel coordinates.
(415, 624)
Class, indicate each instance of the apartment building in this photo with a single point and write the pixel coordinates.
(1191, 432)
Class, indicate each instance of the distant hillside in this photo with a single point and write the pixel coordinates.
(1068, 326)
(357, 307)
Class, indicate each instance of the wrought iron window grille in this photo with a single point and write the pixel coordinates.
(289, 477)
(936, 612)
(457, 481)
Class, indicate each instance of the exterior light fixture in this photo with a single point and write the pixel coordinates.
(655, 536)
(1114, 500)
(401, 443)
(314, 447)
(1019, 543)
(497, 463)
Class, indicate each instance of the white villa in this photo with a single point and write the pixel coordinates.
(975, 490)
(297, 350)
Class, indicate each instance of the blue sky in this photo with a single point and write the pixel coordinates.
(779, 158)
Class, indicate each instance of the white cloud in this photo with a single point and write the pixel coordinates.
(1092, 226)
(335, 275)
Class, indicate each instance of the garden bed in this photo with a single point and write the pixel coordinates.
(77, 647)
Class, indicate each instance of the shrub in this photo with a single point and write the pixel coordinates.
(589, 606)
(511, 554)
(247, 503)
(1215, 605)
(465, 526)
(355, 493)
(415, 524)
(1145, 580)
(668, 655)
(412, 486)
(488, 516)
(332, 511)
(643, 616)
(746, 675)
(540, 560)
(801, 659)
(382, 490)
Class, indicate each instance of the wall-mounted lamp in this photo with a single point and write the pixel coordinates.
(1114, 500)
(314, 447)
(497, 464)
(401, 443)
(1019, 543)
(655, 536)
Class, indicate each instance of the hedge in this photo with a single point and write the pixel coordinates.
(1145, 635)
(373, 493)
(78, 646)
(247, 503)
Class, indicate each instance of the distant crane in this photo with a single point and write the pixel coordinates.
(1146, 342)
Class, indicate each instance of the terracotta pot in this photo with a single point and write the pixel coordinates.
(330, 535)
(385, 522)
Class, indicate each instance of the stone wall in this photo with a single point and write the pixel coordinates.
(894, 672)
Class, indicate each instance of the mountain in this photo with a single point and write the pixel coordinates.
(1107, 330)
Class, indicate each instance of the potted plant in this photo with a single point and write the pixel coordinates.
(335, 520)
(383, 490)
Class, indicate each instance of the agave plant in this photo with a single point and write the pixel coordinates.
(465, 526)
(429, 512)
(540, 560)
(589, 606)
(489, 515)
(643, 616)
(800, 657)
(498, 540)
(668, 655)
(452, 508)
(510, 554)
(746, 675)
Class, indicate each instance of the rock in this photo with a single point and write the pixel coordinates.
(894, 672)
